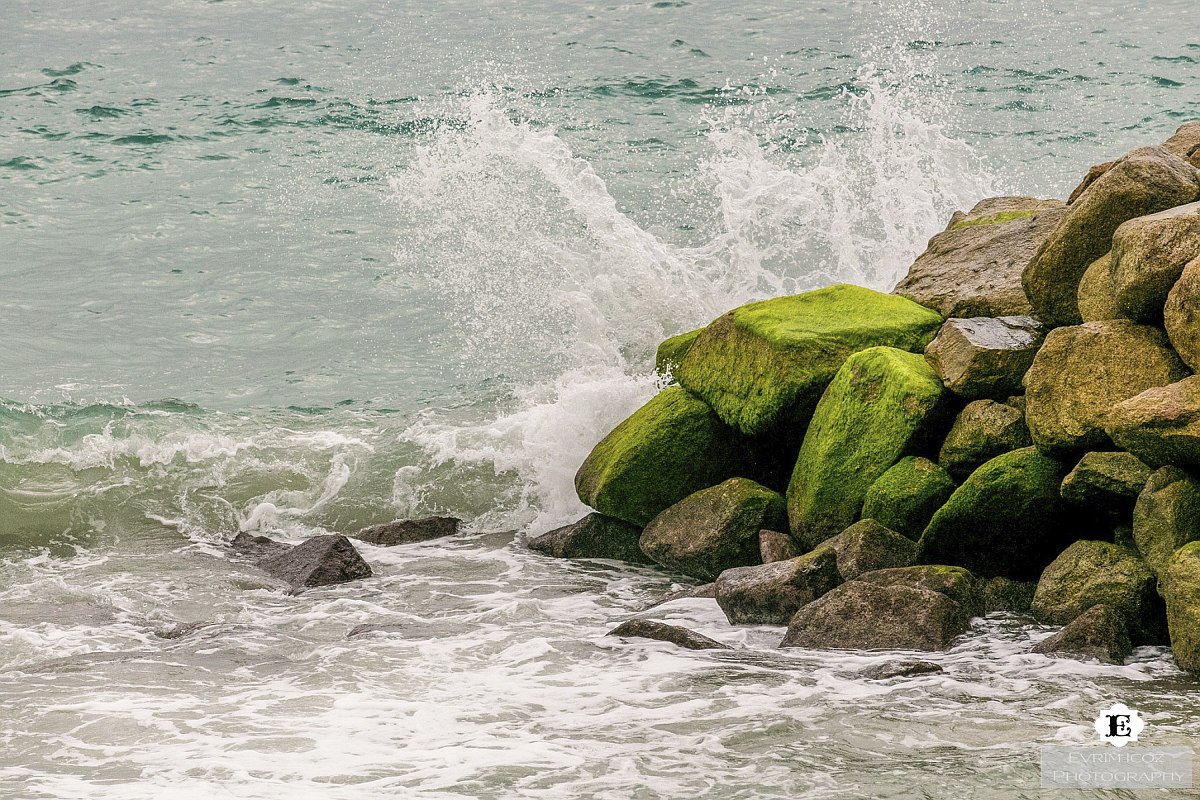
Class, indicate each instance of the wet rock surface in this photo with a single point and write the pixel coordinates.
(408, 531)
(662, 632)
(985, 356)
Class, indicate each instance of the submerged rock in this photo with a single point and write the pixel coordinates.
(1098, 633)
(1161, 425)
(985, 356)
(1181, 314)
(879, 406)
(770, 594)
(714, 529)
(865, 616)
(408, 531)
(1181, 590)
(906, 496)
(955, 582)
(1148, 256)
(1108, 481)
(662, 632)
(1166, 516)
(594, 536)
(1145, 181)
(319, 561)
(973, 268)
(776, 546)
(671, 352)
(668, 449)
(983, 430)
(765, 364)
(1082, 372)
(866, 545)
(907, 668)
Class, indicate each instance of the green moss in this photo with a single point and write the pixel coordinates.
(1181, 590)
(907, 495)
(764, 365)
(666, 450)
(672, 351)
(874, 410)
(998, 217)
(954, 582)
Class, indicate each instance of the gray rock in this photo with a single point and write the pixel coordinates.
(770, 594)
(985, 356)
(973, 268)
(1109, 481)
(1098, 633)
(408, 531)
(864, 616)
(594, 536)
(1166, 516)
(661, 631)
(1186, 143)
(866, 546)
(1181, 314)
(776, 546)
(257, 547)
(319, 561)
(1160, 425)
(955, 582)
(1145, 181)
(1148, 256)
(1005, 594)
(906, 668)
(983, 430)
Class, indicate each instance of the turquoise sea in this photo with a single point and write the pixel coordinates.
(296, 268)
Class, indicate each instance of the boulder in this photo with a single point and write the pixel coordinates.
(1099, 633)
(408, 531)
(672, 351)
(1186, 143)
(1093, 173)
(985, 356)
(714, 529)
(1181, 590)
(955, 582)
(594, 536)
(763, 366)
(905, 497)
(904, 668)
(319, 561)
(705, 591)
(983, 430)
(1145, 181)
(880, 405)
(866, 546)
(973, 268)
(1005, 594)
(1108, 481)
(1148, 256)
(669, 448)
(776, 546)
(1166, 517)
(865, 616)
(1160, 425)
(662, 632)
(1091, 573)
(1006, 519)
(1181, 314)
(257, 548)
(770, 594)
(1097, 297)
(1082, 372)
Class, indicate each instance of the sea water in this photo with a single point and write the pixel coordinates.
(297, 268)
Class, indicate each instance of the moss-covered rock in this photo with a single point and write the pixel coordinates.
(1005, 594)
(1148, 256)
(672, 351)
(1166, 516)
(1082, 372)
(669, 448)
(1145, 181)
(1181, 314)
(866, 546)
(1099, 633)
(764, 365)
(877, 408)
(714, 529)
(905, 497)
(985, 356)
(1097, 299)
(1161, 425)
(770, 594)
(955, 582)
(1181, 590)
(983, 430)
(1006, 519)
(1100, 573)
(1110, 481)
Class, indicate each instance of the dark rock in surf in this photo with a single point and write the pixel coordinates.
(320, 561)
(907, 668)
(1099, 633)
(594, 536)
(705, 591)
(662, 632)
(257, 547)
(770, 594)
(408, 531)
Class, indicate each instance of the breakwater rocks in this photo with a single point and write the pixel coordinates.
(1016, 426)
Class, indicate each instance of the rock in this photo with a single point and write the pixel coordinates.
(1186, 143)
(319, 561)
(1148, 256)
(1004, 594)
(257, 547)
(764, 365)
(776, 546)
(1093, 173)
(669, 448)
(983, 430)
(1181, 590)
(1166, 516)
(865, 616)
(770, 594)
(905, 497)
(594, 536)
(985, 356)
(1160, 425)
(1098, 633)
(672, 351)
(1082, 372)
(1181, 314)
(1092, 573)
(661, 631)
(973, 268)
(705, 591)
(1097, 296)
(906, 668)
(955, 582)
(408, 531)
(1006, 519)
(714, 529)
(866, 546)
(1145, 181)
(880, 405)
(1108, 481)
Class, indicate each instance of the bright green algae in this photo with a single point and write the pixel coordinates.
(672, 351)
(907, 495)
(997, 218)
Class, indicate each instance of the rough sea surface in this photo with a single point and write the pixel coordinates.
(294, 268)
